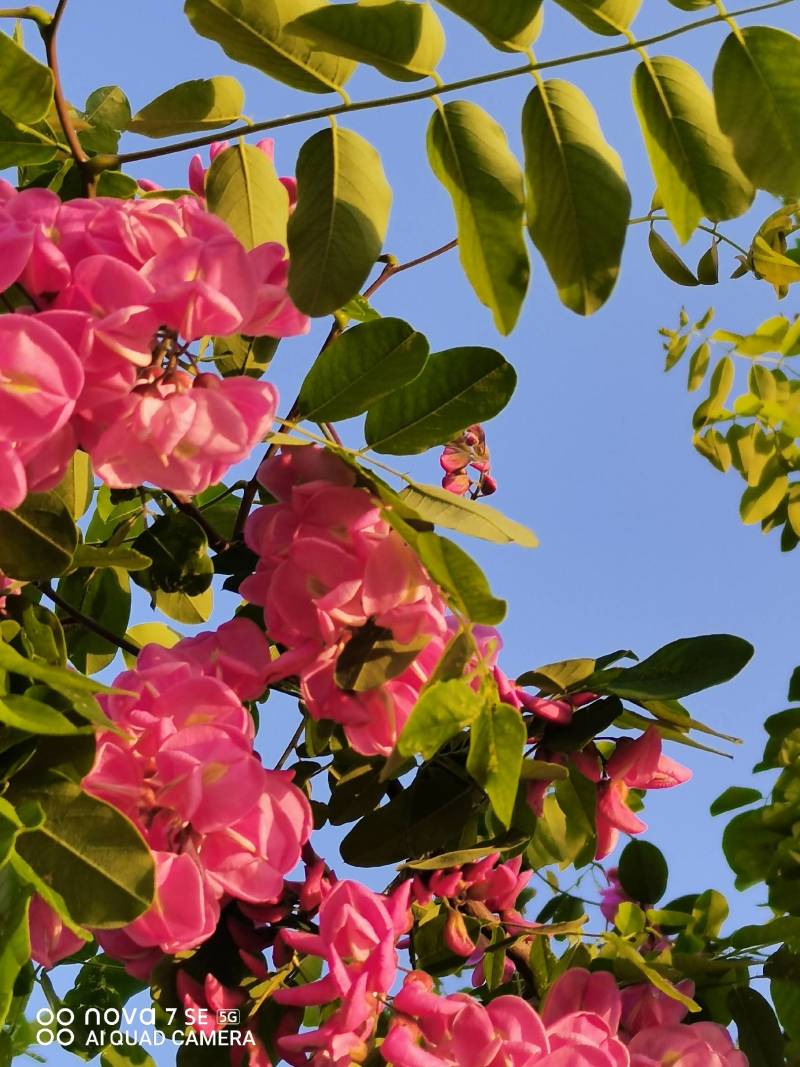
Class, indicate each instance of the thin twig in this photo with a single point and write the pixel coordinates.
(35, 14)
(705, 229)
(391, 268)
(49, 34)
(215, 539)
(90, 624)
(108, 162)
(290, 747)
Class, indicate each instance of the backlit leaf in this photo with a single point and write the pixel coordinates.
(243, 189)
(197, 105)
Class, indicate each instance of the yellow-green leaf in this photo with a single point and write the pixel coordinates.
(403, 40)
(252, 32)
(200, 104)
(692, 160)
(608, 17)
(578, 202)
(757, 92)
(243, 189)
(469, 154)
(337, 230)
(26, 86)
(511, 26)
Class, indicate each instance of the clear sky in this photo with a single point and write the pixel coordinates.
(640, 538)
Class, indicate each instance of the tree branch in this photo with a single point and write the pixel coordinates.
(391, 268)
(107, 162)
(215, 539)
(49, 33)
(84, 620)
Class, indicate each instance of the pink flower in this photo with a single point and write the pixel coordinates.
(219, 825)
(644, 1006)
(612, 896)
(635, 764)
(51, 940)
(358, 930)
(701, 1044)
(183, 433)
(237, 654)
(468, 450)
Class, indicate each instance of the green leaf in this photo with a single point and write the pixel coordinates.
(26, 86)
(750, 847)
(108, 106)
(38, 539)
(608, 17)
(22, 145)
(146, 633)
(95, 556)
(104, 596)
(359, 368)
(242, 188)
(58, 678)
(506, 843)
(198, 105)
(758, 1031)
(497, 738)
(402, 40)
(719, 389)
(178, 548)
(458, 574)
(759, 501)
(757, 93)
(24, 713)
(708, 265)
(643, 872)
(429, 816)
(469, 154)
(443, 710)
(698, 365)
(372, 656)
(337, 229)
(125, 1056)
(469, 517)
(455, 389)
(670, 263)
(235, 354)
(557, 677)
(15, 945)
(252, 32)
(735, 796)
(88, 852)
(626, 951)
(77, 485)
(692, 160)
(184, 608)
(578, 202)
(679, 668)
(512, 26)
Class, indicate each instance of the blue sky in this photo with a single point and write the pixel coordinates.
(640, 537)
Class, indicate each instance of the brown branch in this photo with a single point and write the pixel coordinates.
(215, 539)
(84, 620)
(108, 162)
(49, 34)
(391, 268)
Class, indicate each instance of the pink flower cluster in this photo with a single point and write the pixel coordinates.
(358, 933)
(329, 563)
(634, 764)
(219, 825)
(110, 294)
(466, 464)
(579, 1026)
(486, 889)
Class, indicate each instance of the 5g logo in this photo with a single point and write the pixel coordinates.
(55, 1027)
(228, 1016)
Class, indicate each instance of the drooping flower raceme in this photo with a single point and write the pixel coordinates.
(110, 295)
(329, 565)
(184, 771)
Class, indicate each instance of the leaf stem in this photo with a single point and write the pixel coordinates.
(49, 33)
(392, 267)
(107, 162)
(291, 746)
(85, 620)
(35, 14)
(705, 229)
